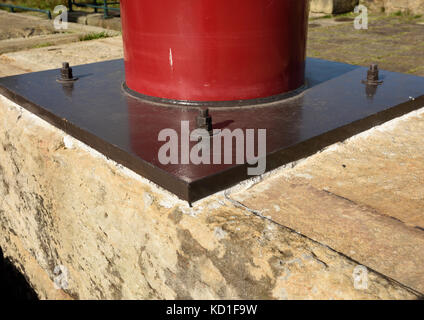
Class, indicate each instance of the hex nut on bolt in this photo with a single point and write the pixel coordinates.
(204, 121)
(373, 75)
(66, 75)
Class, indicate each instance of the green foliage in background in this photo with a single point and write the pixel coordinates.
(41, 4)
(46, 4)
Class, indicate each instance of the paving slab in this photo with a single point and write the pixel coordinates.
(20, 26)
(363, 198)
(51, 57)
(395, 43)
(22, 31)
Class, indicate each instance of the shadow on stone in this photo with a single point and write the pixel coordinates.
(13, 285)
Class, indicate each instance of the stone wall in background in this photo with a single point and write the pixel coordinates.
(388, 6)
(333, 6)
(391, 6)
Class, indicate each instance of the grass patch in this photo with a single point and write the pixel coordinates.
(328, 16)
(94, 36)
(43, 45)
(414, 70)
(406, 17)
(406, 14)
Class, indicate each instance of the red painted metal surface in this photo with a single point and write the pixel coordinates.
(214, 50)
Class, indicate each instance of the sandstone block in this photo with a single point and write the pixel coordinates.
(333, 6)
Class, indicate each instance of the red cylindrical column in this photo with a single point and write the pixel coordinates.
(214, 50)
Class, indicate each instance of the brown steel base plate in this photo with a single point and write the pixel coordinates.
(95, 110)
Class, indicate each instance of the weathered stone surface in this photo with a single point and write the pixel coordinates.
(96, 19)
(119, 236)
(396, 43)
(411, 6)
(374, 5)
(14, 26)
(22, 31)
(52, 57)
(391, 6)
(388, 6)
(364, 198)
(333, 6)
